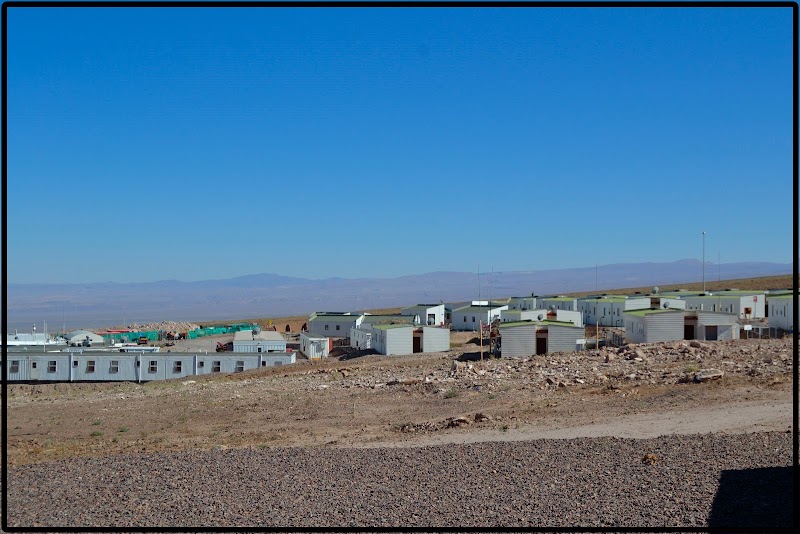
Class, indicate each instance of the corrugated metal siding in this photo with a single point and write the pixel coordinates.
(666, 326)
(399, 341)
(317, 327)
(635, 329)
(518, 341)
(266, 346)
(435, 339)
(563, 338)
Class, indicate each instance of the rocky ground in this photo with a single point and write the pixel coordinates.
(446, 436)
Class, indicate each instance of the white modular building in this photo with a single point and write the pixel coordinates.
(747, 306)
(390, 339)
(608, 310)
(529, 338)
(333, 324)
(85, 338)
(653, 325)
(361, 338)
(558, 303)
(523, 303)
(564, 316)
(434, 339)
(710, 326)
(258, 341)
(315, 347)
(427, 314)
(781, 312)
(369, 320)
(469, 318)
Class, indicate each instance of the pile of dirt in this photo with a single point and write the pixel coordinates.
(166, 326)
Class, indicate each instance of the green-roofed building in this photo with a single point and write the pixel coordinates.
(653, 325)
(529, 338)
(558, 303)
(781, 311)
(608, 310)
(333, 324)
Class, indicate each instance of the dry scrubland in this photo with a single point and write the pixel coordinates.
(677, 434)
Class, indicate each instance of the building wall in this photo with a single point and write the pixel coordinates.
(563, 338)
(361, 338)
(319, 327)
(635, 329)
(560, 304)
(727, 326)
(570, 316)
(399, 341)
(729, 304)
(664, 326)
(477, 314)
(76, 366)
(437, 311)
(781, 314)
(314, 347)
(435, 339)
(522, 303)
(254, 345)
(518, 341)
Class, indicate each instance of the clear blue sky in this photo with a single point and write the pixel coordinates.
(189, 144)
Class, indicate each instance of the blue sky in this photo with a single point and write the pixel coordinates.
(189, 144)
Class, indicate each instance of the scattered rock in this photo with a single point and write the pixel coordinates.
(705, 375)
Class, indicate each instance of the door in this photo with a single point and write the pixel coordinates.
(711, 333)
(541, 345)
(431, 319)
(417, 342)
(688, 331)
(34, 370)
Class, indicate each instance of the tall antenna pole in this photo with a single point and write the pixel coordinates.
(704, 262)
(480, 322)
(719, 267)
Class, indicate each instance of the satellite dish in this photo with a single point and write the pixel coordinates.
(655, 290)
(665, 305)
(540, 317)
(552, 306)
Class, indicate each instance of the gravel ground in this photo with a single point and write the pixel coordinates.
(702, 480)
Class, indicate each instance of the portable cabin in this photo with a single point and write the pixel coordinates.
(523, 303)
(710, 326)
(743, 304)
(648, 326)
(528, 338)
(258, 341)
(431, 339)
(608, 310)
(559, 303)
(315, 347)
(361, 338)
(333, 324)
(428, 314)
(781, 312)
(390, 339)
(468, 318)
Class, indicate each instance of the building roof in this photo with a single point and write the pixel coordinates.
(546, 322)
(388, 326)
(642, 313)
(268, 335)
(560, 299)
(334, 318)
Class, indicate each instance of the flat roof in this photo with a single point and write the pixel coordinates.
(559, 298)
(642, 313)
(247, 335)
(335, 318)
(388, 326)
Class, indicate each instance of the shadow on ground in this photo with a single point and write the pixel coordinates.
(754, 498)
(474, 356)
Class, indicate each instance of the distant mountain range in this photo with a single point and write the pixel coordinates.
(272, 295)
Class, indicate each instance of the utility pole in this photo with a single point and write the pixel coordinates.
(704, 262)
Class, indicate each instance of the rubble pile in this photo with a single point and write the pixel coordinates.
(677, 362)
(166, 326)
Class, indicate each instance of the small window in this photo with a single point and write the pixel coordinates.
(326, 327)
(51, 366)
(178, 367)
(113, 366)
(473, 318)
(33, 365)
(90, 366)
(201, 364)
(259, 349)
(239, 366)
(74, 363)
(14, 366)
(216, 366)
(264, 364)
(153, 366)
(337, 327)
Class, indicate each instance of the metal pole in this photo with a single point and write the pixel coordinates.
(704, 262)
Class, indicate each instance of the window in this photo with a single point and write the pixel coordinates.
(239, 366)
(337, 327)
(201, 364)
(14, 366)
(465, 318)
(259, 349)
(216, 366)
(51, 366)
(473, 318)
(178, 367)
(90, 366)
(33, 365)
(326, 327)
(153, 366)
(74, 363)
(264, 364)
(113, 366)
